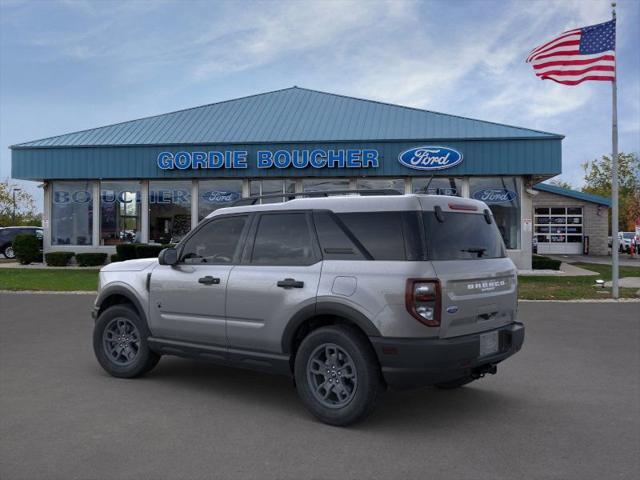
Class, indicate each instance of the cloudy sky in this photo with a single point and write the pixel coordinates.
(72, 65)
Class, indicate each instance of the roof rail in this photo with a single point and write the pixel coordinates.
(291, 196)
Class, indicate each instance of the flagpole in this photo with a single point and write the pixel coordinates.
(614, 177)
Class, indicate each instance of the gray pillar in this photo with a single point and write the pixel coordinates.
(144, 211)
(95, 236)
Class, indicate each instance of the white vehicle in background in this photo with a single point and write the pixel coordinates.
(625, 239)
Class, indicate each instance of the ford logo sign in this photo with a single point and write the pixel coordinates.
(219, 197)
(495, 195)
(430, 158)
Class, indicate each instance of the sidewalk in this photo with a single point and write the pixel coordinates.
(566, 270)
(39, 266)
(624, 259)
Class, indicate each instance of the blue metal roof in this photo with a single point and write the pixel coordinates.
(289, 116)
(565, 192)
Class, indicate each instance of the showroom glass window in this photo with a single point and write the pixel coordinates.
(270, 187)
(214, 194)
(437, 186)
(71, 213)
(324, 184)
(503, 197)
(169, 210)
(396, 184)
(119, 212)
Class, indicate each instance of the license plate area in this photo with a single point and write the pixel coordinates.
(489, 344)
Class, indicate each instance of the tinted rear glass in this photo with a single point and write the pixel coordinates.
(380, 233)
(462, 236)
(283, 239)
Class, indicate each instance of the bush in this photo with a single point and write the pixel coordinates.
(148, 251)
(126, 251)
(58, 259)
(545, 263)
(114, 258)
(91, 259)
(27, 248)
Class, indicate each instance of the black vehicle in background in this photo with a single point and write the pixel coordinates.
(7, 234)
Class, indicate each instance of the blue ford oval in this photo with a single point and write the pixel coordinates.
(430, 158)
(495, 195)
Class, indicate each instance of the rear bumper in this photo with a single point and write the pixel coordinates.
(411, 363)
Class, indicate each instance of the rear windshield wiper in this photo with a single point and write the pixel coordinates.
(479, 250)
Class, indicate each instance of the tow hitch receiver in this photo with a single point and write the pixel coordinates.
(483, 370)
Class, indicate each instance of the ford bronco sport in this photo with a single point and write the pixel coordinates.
(349, 295)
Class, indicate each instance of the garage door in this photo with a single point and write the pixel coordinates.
(558, 229)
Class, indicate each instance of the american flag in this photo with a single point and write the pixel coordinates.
(577, 55)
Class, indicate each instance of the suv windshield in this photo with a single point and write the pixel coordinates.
(461, 236)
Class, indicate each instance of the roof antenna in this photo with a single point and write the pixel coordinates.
(426, 189)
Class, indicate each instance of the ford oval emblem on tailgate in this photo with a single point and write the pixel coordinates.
(452, 309)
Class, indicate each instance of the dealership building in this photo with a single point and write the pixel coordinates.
(153, 179)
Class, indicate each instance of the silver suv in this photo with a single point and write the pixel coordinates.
(349, 295)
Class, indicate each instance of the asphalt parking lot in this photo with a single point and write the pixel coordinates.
(565, 407)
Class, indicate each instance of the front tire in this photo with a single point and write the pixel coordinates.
(337, 375)
(120, 343)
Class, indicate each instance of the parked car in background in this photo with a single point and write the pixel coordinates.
(7, 234)
(625, 241)
(347, 295)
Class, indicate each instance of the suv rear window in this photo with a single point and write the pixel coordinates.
(462, 236)
(380, 233)
(283, 239)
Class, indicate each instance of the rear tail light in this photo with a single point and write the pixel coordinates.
(422, 298)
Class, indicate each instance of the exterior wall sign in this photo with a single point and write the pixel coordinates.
(430, 158)
(495, 195)
(266, 159)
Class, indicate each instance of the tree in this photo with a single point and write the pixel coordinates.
(558, 182)
(597, 179)
(25, 207)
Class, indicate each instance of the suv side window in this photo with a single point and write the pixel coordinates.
(283, 239)
(335, 241)
(217, 242)
(381, 233)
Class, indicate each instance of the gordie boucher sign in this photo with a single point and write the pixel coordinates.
(418, 158)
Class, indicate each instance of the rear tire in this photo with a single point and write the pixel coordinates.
(337, 375)
(457, 383)
(8, 252)
(120, 343)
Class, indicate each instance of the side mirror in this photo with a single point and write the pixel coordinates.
(168, 256)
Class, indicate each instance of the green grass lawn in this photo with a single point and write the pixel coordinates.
(531, 288)
(569, 288)
(48, 279)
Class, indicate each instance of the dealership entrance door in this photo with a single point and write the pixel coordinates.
(558, 229)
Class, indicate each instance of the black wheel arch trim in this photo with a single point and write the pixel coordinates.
(123, 291)
(326, 308)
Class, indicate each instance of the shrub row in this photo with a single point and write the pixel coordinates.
(62, 259)
(58, 259)
(130, 251)
(27, 248)
(91, 259)
(545, 263)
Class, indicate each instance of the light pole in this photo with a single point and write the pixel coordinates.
(14, 203)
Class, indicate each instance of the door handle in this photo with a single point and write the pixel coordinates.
(290, 283)
(209, 280)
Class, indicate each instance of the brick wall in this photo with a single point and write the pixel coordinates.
(594, 226)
